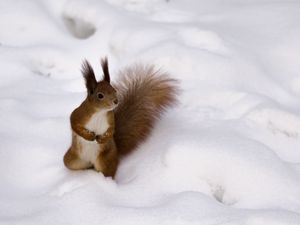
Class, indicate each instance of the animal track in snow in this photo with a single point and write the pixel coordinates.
(79, 19)
(218, 193)
(43, 69)
(46, 66)
(78, 27)
(277, 121)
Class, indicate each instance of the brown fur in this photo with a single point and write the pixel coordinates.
(143, 92)
(107, 159)
(104, 64)
(89, 76)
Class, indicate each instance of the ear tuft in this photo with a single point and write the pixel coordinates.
(89, 76)
(104, 64)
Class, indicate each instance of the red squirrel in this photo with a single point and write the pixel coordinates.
(113, 120)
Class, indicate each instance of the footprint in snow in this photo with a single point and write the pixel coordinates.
(45, 67)
(218, 192)
(79, 28)
(277, 121)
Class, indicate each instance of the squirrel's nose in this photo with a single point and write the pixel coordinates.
(116, 101)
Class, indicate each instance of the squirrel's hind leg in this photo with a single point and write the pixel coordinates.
(73, 162)
(107, 161)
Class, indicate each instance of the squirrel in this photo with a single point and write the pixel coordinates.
(114, 119)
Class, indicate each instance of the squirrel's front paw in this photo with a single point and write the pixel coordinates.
(91, 136)
(108, 134)
(99, 139)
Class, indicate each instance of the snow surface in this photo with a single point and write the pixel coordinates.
(229, 154)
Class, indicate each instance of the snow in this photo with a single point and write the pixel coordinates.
(228, 154)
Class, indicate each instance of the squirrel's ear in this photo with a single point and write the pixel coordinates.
(89, 76)
(104, 64)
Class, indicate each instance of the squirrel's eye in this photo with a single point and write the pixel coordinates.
(100, 96)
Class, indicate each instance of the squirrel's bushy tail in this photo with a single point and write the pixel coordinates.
(144, 93)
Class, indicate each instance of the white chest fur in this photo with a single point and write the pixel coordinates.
(98, 123)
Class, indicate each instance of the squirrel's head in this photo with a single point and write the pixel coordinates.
(99, 93)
